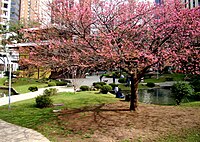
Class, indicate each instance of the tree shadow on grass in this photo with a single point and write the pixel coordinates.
(94, 117)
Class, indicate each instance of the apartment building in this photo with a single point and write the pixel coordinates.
(5, 6)
(35, 11)
(191, 3)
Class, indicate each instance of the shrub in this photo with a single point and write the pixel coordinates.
(85, 88)
(150, 84)
(50, 92)
(195, 96)
(113, 85)
(43, 101)
(195, 83)
(97, 86)
(180, 91)
(100, 83)
(61, 83)
(51, 84)
(169, 79)
(105, 89)
(33, 88)
(122, 80)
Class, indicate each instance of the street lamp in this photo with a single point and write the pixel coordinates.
(9, 81)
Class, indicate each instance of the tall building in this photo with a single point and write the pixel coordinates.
(191, 3)
(14, 11)
(5, 6)
(35, 11)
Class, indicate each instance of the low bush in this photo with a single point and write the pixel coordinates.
(33, 88)
(51, 84)
(43, 101)
(85, 88)
(180, 91)
(113, 85)
(195, 83)
(100, 83)
(195, 96)
(50, 92)
(150, 84)
(97, 86)
(122, 80)
(61, 83)
(105, 89)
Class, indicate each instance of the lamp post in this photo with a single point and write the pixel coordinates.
(9, 81)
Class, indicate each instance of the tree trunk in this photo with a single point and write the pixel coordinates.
(134, 94)
(38, 71)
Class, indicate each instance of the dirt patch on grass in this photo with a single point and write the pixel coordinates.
(114, 122)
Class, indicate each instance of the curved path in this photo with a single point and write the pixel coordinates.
(13, 133)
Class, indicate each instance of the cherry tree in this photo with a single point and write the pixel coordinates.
(130, 35)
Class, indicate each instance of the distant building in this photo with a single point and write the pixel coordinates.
(5, 13)
(191, 3)
(35, 11)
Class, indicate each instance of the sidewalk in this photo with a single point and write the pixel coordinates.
(30, 95)
(13, 133)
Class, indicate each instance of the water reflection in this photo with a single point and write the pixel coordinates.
(155, 96)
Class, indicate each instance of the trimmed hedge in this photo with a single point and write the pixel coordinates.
(150, 84)
(51, 84)
(100, 83)
(105, 89)
(122, 80)
(85, 88)
(33, 88)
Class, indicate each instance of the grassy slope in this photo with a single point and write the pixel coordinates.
(22, 84)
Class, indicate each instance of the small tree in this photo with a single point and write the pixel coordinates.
(180, 91)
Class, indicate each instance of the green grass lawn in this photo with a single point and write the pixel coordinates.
(25, 113)
(190, 135)
(162, 78)
(21, 85)
(191, 104)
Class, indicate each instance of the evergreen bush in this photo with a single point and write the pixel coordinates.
(51, 84)
(50, 92)
(85, 88)
(105, 89)
(43, 101)
(122, 80)
(180, 91)
(150, 84)
(33, 88)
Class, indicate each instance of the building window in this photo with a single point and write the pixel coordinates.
(189, 2)
(158, 1)
(5, 5)
(5, 13)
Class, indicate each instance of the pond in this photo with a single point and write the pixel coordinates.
(154, 96)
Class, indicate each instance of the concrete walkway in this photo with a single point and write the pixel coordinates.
(13, 133)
